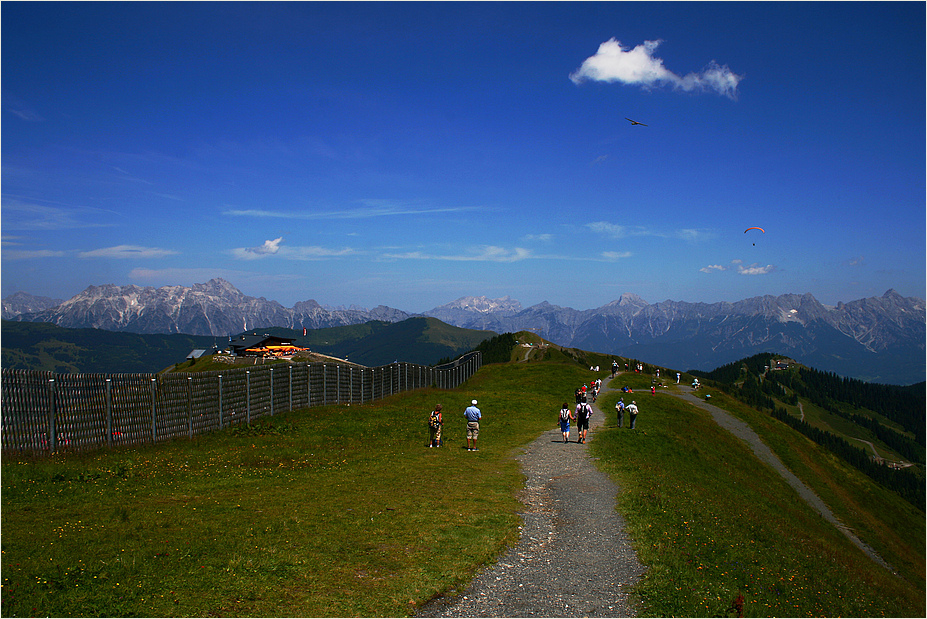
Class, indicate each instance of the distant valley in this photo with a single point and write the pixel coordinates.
(878, 339)
(43, 346)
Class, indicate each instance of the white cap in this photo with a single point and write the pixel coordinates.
(473, 402)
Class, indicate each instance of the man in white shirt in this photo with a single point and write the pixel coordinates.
(632, 411)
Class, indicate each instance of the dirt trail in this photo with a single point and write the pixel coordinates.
(573, 558)
(744, 432)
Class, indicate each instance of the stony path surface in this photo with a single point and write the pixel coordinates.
(573, 559)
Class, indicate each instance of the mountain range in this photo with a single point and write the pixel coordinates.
(877, 339)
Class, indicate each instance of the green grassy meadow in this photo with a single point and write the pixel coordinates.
(343, 511)
(713, 523)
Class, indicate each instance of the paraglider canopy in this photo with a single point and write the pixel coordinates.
(754, 228)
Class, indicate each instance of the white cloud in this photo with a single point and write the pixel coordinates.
(313, 252)
(615, 63)
(608, 229)
(127, 251)
(269, 247)
(486, 253)
(692, 234)
(275, 248)
(755, 269)
(539, 237)
(371, 209)
(617, 231)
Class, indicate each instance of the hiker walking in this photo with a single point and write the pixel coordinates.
(565, 416)
(619, 409)
(583, 413)
(473, 416)
(434, 426)
(632, 411)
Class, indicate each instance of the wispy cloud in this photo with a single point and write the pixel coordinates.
(755, 269)
(618, 231)
(538, 237)
(486, 253)
(121, 252)
(615, 231)
(20, 109)
(275, 247)
(638, 66)
(371, 209)
(21, 214)
(856, 261)
(738, 266)
(29, 254)
(616, 255)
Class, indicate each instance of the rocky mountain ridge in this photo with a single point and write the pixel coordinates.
(878, 338)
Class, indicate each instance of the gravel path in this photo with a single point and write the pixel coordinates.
(573, 558)
(744, 432)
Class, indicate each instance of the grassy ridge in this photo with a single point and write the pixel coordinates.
(336, 511)
(712, 522)
(342, 511)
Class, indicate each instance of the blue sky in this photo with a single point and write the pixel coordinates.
(407, 154)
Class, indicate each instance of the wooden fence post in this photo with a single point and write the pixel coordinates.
(271, 392)
(52, 413)
(220, 401)
(248, 394)
(190, 405)
(154, 417)
(109, 412)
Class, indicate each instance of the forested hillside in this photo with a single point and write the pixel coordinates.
(848, 414)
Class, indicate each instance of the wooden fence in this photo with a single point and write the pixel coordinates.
(47, 412)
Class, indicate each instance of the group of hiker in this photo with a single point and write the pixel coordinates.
(436, 423)
(631, 409)
(581, 414)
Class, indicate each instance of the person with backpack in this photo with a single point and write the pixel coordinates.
(619, 409)
(565, 416)
(583, 413)
(632, 410)
(434, 426)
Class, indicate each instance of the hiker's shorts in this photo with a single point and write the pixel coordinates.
(473, 429)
